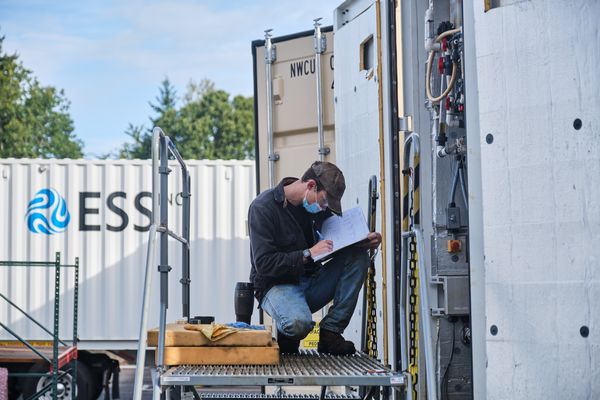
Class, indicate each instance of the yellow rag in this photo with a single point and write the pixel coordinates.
(214, 331)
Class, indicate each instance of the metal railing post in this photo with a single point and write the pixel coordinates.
(185, 279)
(163, 267)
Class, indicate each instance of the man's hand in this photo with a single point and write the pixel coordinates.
(374, 240)
(322, 247)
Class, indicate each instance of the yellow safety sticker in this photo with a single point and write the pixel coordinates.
(312, 339)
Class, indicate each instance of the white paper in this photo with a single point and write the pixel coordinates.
(343, 231)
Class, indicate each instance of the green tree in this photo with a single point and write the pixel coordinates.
(34, 119)
(209, 125)
(165, 108)
(166, 118)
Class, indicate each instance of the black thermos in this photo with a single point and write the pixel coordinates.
(243, 301)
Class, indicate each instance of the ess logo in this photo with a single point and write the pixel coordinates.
(47, 213)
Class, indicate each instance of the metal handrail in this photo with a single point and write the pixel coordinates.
(185, 237)
(162, 147)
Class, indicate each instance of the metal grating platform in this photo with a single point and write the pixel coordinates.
(259, 396)
(308, 368)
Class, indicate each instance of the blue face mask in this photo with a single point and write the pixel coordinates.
(313, 208)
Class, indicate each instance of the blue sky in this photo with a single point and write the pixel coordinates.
(110, 56)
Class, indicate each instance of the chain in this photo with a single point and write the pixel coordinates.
(371, 308)
(371, 285)
(413, 316)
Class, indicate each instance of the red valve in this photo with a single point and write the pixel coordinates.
(444, 44)
(448, 103)
(441, 65)
(454, 246)
(461, 108)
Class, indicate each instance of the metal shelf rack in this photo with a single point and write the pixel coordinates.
(70, 353)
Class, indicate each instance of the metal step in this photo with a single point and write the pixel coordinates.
(260, 396)
(308, 368)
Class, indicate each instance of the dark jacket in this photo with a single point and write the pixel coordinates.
(277, 241)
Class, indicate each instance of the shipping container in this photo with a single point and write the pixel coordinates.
(99, 211)
(294, 116)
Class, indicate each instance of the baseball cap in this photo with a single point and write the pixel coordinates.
(333, 181)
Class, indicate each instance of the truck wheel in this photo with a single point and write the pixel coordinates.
(66, 391)
(97, 364)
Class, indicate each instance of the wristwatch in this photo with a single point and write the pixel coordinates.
(306, 254)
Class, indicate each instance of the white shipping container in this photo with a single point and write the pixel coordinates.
(107, 204)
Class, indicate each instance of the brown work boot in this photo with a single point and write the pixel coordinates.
(287, 345)
(334, 343)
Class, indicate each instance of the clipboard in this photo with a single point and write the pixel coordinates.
(345, 230)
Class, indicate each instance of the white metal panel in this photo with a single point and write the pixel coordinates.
(112, 262)
(536, 73)
(357, 114)
(357, 120)
(356, 117)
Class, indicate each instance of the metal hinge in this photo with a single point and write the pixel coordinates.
(324, 150)
(405, 123)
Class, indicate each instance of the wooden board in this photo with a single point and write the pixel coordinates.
(20, 354)
(208, 355)
(177, 335)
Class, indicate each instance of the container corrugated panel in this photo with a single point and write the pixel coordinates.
(109, 203)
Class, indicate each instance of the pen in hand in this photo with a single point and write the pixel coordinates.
(322, 247)
(321, 237)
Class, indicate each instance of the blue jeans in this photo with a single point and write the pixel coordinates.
(340, 280)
